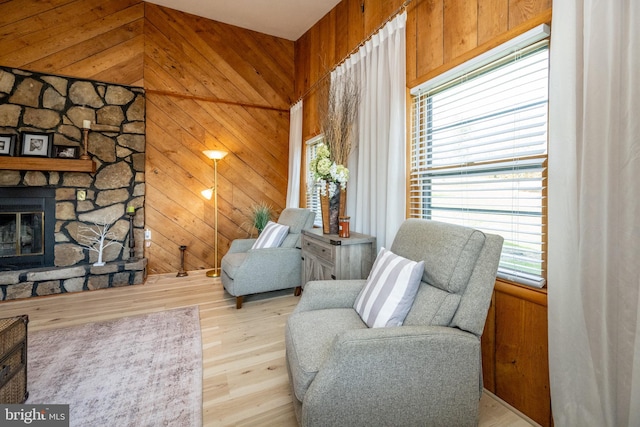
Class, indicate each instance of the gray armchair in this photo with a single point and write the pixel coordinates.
(246, 271)
(426, 372)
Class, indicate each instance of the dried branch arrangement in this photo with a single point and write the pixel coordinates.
(337, 118)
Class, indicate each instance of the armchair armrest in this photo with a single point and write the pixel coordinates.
(370, 371)
(241, 245)
(321, 294)
(282, 264)
(256, 258)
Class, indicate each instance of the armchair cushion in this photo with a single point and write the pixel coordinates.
(272, 236)
(390, 290)
(433, 306)
(297, 219)
(449, 253)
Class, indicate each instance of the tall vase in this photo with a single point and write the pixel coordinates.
(343, 202)
(331, 208)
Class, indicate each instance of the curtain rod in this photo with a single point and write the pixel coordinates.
(354, 50)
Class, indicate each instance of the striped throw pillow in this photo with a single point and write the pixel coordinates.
(389, 291)
(272, 236)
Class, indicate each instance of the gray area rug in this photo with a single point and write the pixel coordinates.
(136, 371)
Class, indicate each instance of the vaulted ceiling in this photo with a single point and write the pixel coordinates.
(288, 19)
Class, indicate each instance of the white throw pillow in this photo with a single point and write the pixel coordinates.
(389, 291)
(272, 236)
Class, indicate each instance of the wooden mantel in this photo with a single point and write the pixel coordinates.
(47, 164)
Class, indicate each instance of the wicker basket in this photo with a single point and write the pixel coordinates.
(13, 360)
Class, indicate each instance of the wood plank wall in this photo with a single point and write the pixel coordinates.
(209, 86)
(440, 35)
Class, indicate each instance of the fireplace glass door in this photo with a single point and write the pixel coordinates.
(21, 233)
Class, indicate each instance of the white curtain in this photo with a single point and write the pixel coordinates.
(295, 155)
(376, 189)
(594, 213)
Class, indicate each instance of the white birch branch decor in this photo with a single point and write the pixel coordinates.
(96, 238)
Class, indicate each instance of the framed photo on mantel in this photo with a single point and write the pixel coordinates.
(7, 144)
(64, 152)
(36, 144)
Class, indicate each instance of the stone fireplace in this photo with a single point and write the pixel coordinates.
(45, 204)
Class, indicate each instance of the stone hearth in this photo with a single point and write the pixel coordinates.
(49, 281)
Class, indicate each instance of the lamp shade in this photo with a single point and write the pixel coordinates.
(215, 154)
(208, 193)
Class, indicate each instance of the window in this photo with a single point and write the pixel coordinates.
(478, 156)
(313, 192)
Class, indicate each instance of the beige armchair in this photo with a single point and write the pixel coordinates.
(426, 372)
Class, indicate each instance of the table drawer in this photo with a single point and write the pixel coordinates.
(319, 249)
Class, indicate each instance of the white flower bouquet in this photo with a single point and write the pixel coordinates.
(325, 171)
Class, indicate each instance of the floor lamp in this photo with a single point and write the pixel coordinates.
(214, 155)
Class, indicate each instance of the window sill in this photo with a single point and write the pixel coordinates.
(527, 293)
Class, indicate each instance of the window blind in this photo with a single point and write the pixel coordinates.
(478, 156)
(313, 191)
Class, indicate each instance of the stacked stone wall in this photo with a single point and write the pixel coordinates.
(33, 102)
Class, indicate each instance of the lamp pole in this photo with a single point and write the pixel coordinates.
(214, 155)
(215, 272)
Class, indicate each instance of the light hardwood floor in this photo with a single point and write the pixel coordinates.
(244, 377)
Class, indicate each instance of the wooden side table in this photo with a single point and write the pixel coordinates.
(328, 256)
